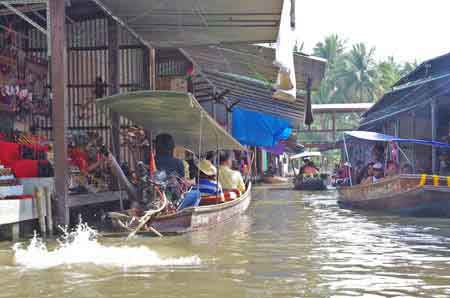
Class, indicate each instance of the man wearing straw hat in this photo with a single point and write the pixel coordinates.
(208, 184)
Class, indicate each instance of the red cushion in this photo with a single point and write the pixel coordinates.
(25, 168)
(37, 147)
(9, 151)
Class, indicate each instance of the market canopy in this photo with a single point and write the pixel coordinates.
(259, 129)
(176, 113)
(378, 137)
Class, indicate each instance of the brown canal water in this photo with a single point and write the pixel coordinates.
(289, 244)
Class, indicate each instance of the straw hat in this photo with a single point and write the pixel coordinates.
(207, 168)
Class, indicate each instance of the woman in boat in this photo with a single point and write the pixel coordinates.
(368, 175)
(309, 168)
(165, 160)
(207, 183)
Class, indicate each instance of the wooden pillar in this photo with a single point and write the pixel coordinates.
(150, 68)
(114, 82)
(434, 127)
(57, 13)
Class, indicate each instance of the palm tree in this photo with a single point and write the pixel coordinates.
(358, 74)
(389, 73)
(331, 48)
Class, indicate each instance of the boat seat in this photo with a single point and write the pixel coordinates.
(231, 194)
(210, 200)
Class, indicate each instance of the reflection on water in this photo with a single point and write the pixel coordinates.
(289, 244)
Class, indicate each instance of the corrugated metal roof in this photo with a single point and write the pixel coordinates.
(428, 71)
(255, 62)
(252, 94)
(431, 68)
(408, 98)
(178, 23)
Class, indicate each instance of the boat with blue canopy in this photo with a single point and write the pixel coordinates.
(415, 194)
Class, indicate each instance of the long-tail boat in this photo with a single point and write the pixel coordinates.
(182, 116)
(307, 182)
(406, 194)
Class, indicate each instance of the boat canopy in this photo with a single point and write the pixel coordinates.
(378, 137)
(175, 113)
(306, 154)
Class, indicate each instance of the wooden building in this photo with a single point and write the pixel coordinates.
(418, 107)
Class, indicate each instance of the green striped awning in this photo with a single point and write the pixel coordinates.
(176, 113)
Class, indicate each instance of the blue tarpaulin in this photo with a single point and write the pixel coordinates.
(378, 137)
(259, 129)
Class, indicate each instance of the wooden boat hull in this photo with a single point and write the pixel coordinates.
(399, 195)
(274, 180)
(310, 184)
(201, 217)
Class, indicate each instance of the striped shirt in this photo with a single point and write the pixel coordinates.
(209, 187)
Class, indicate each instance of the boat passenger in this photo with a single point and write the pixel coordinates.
(228, 178)
(211, 156)
(368, 175)
(391, 168)
(378, 172)
(165, 160)
(208, 184)
(309, 168)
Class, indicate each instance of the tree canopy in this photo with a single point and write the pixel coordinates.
(353, 74)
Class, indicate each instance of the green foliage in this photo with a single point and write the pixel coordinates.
(353, 74)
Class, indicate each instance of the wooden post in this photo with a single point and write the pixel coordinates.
(57, 12)
(149, 68)
(114, 82)
(39, 201)
(15, 231)
(49, 212)
(434, 126)
(152, 66)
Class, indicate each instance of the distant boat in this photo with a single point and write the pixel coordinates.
(307, 182)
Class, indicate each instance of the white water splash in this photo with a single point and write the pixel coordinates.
(81, 247)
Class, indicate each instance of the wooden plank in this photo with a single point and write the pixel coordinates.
(59, 82)
(97, 198)
(14, 211)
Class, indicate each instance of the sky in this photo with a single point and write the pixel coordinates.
(408, 30)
